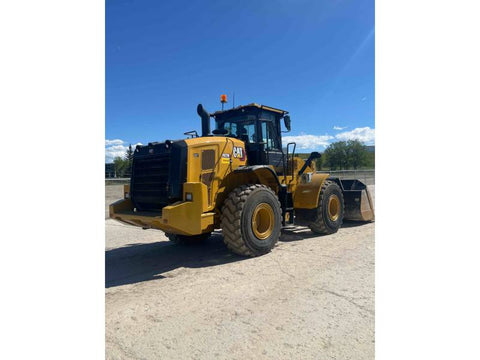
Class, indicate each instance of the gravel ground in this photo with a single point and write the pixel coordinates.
(312, 297)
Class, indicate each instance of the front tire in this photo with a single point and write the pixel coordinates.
(328, 216)
(251, 220)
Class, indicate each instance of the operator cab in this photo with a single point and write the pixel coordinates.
(259, 127)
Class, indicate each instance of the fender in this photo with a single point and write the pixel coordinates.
(307, 193)
(255, 174)
(264, 173)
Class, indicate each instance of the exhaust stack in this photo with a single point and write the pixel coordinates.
(205, 119)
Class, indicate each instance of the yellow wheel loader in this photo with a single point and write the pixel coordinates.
(238, 178)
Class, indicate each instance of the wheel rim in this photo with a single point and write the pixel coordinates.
(262, 221)
(333, 207)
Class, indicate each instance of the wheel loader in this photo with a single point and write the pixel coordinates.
(239, 178)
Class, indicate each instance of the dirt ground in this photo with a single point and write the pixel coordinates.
(312, 297)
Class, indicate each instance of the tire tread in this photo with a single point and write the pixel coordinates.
(231, 218)
(319, 226)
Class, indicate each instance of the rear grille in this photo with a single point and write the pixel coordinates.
(149, 187)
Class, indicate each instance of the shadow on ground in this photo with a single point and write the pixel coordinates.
(142, 262)
(296, 233)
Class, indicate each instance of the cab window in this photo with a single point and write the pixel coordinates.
(269, 136)
(244, 130)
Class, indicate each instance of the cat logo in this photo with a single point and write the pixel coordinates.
(238, 152)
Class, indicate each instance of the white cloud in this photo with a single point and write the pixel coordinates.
(320, 142)
(365, 135)
(114, 148)
(113, 142)
(305, 141)
(117, 148)
(339, 127)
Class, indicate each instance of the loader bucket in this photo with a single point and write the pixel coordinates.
(358, 201)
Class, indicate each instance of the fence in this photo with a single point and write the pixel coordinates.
(111, 174)
(367, 176)
(117, 181)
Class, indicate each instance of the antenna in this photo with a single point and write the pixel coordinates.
(233, 100)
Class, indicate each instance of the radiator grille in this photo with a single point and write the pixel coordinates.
(149, 187)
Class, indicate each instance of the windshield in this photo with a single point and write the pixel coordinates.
(244, 130)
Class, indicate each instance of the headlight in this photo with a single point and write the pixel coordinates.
(188, 196)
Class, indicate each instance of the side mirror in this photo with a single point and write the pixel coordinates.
(287, 121)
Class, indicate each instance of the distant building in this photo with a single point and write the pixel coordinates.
(110, 171)
(371, 148)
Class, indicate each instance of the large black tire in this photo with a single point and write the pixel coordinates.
(186, 240)
(242, 233)
(328, 216)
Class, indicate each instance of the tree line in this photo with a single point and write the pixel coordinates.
(345, 155)
(123, 165)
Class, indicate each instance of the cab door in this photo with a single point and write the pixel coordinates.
(272, 154)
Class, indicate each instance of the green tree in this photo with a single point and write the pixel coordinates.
(129, 153)
(357, 153)
(342, 155)
(129, 160)
(121, 166)
(370, 162)
(336, 155)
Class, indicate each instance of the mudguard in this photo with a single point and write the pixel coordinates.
(264, 173)
(307, 191)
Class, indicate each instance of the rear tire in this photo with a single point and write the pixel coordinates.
(328, 216)
(185, 240)
(251, 220)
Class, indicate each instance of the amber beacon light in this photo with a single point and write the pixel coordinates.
(223, 99)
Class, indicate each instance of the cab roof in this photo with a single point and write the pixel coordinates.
(250, 106)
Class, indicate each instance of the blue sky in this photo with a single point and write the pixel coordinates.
(312, 58)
